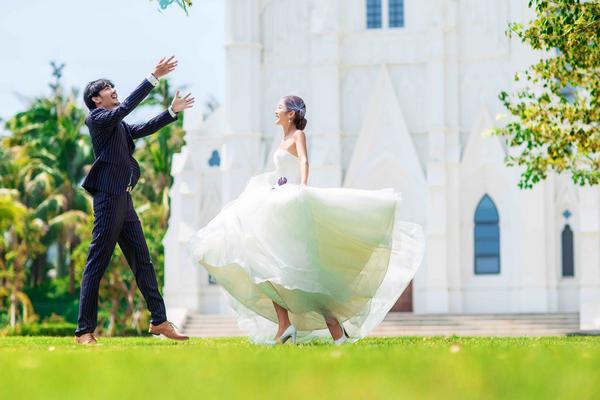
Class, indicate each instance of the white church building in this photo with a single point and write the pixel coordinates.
(398, 94)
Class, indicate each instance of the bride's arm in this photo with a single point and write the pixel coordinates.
(300, 139)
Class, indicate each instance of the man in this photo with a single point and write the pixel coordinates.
(110, 181)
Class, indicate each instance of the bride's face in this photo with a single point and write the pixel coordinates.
(282, 115)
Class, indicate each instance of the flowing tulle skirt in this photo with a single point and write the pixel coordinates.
(317, 252)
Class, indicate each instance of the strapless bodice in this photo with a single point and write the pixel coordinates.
(286, 165)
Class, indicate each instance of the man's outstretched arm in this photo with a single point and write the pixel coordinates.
(105, 118)
(166, 117)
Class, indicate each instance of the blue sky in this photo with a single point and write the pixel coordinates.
(117, 39)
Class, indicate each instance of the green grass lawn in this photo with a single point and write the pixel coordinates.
(390, 368)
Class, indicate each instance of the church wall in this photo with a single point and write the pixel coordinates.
(564, 199)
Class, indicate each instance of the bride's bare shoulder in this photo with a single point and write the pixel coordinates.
(299, 134)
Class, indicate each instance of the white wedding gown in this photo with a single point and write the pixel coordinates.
(314, 251)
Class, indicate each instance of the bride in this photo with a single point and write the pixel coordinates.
(313, 261)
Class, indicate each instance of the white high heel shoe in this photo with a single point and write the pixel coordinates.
(344, 338)
(289, 333)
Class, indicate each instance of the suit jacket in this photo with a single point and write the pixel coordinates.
(114, 167)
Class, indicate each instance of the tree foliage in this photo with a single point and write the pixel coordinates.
(555, 117)
(50, 157)
(19, 243)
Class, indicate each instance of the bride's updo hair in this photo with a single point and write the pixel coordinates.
(296, 104)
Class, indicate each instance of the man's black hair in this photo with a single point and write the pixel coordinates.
(93, 89)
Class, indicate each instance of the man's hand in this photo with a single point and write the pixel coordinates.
(182, 103)
(164, 66)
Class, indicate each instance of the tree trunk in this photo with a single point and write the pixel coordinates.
(114, 309)
(13, 308)
(73, 245)
(25, 315)
(37, 270)
(71, 279)
(60, 267)
(131, 306)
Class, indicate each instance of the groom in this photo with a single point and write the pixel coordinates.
(111, 179)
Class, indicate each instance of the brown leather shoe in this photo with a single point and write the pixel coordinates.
(86, 338)
(167, 329)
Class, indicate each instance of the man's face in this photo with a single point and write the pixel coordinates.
(107, 98)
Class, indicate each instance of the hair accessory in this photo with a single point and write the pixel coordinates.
(296, 104)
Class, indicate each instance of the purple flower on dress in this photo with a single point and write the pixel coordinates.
(282, 180)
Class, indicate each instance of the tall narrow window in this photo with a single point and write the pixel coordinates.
(396, 13)
(373, 14)
(568, 264)
(487, 237)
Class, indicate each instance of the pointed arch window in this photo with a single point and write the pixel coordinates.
(568, 261)
(487, 237)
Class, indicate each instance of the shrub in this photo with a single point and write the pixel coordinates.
(41, 329)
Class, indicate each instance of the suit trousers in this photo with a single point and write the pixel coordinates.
(115, 221)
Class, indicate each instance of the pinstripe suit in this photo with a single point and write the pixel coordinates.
(115, 220)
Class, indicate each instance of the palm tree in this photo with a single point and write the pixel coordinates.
(20, 239)
(54, 155)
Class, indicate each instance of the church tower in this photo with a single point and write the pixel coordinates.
(241, 151)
